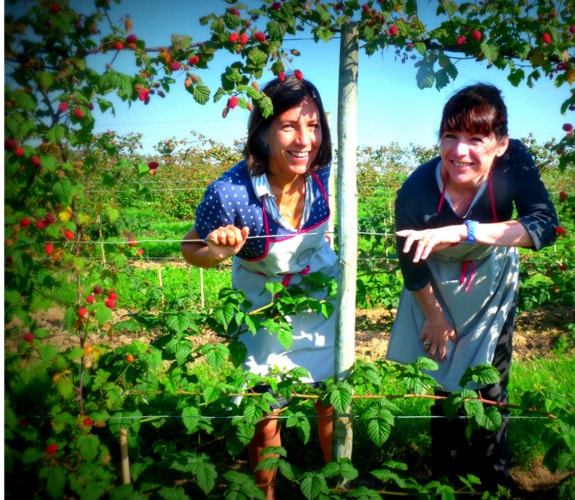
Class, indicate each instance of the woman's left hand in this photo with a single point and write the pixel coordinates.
(430, 240)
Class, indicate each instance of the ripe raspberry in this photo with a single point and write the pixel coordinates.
(560, 230)
(232, 102)
(298, 74)
(49, 219)
(546, 38)
(234, 11)
(63, 107)
(82, 311)
(131, 38)
(69, 235)
(88, 422)
(49, 249)
(51, 449)
(563, 195)
(175, 65)
(78, 113)
(113, 296)
(153, 165)
(28, 337)
(40, 224)
(276, 6)
(260, 36)
(97, 290)
(244, 38)
(476, 34)
(282, 77)
(143, 94)
(132, 242)
(119, 45)
(90, 299)
(35, 160)
(234, 37)
(25, 222)
(567, 127)
(393, 30)
(10, 143)
(572, 29)
(192, 61)
(110, 304)
(19, 151)
(460, 40)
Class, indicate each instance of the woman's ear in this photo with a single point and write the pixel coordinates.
(502, 146)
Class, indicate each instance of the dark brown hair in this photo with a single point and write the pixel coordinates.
(284, 95)
(476, 109)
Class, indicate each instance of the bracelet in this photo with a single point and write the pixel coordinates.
(471, 227)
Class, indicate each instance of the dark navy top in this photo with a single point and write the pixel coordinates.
(516, 185)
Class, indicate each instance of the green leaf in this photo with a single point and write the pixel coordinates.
(56, 481)
(25, 101)
(190, 418)
(56, 134)
(89, 447)
(64, 190)
(490, 51)
(216, 355)
(314, 486)
(47, 352)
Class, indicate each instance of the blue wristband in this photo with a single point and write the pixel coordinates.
(471, 226)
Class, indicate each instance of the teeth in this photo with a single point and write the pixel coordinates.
(299, 155)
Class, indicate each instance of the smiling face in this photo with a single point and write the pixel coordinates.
(468, 157)
(294, 139)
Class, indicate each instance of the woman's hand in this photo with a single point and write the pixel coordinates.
(226, 241)
(436, 331)
(431, 240)
(435, 335)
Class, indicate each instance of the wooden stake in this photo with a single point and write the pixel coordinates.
(124, 455)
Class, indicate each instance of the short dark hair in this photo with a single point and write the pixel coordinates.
(476, 109)
(284, 94)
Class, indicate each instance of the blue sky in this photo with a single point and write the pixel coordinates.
(391, 108)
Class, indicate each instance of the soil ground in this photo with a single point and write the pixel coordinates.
(536, 334)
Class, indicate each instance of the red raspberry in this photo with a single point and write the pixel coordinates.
(546, 38)
(244, 38)
(51, 449)
(567, 127)
(477, 35)
(282, 77)
(298, 74)
(69, 235)
(563, 195)
(35, 160)
(234, 37)
(175, 65)
(97, 290)
(78, 113)
(234, 11)
(119, 45)
(82, 311)
(90, 299)
(28, 337)
(49, 249)
(10, 143)
(19, 151)
(460, 40)
(260, 36)
(131, 38)
(192, 61)
(25, 222)
(393, 30)
(49, 219)
(111, 304)
(40, 224)
(232, 102)
(113, 296)
(63, 107)
(559, 230)
(88, 422)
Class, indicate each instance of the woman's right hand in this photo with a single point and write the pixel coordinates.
(226, 241)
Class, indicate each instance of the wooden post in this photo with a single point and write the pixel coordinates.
(124, 455)
(101, 239)
(332, 196)
(202, 287)
(347, 223)
(161, 283)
